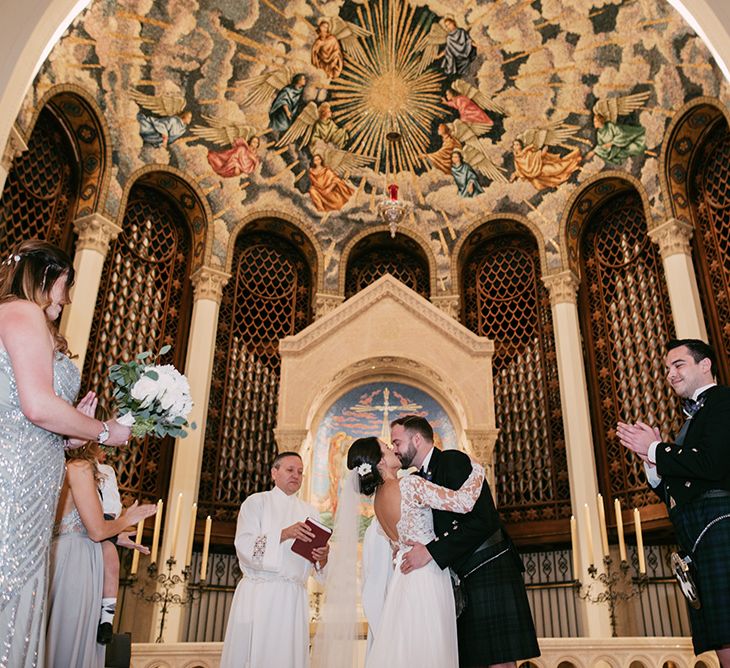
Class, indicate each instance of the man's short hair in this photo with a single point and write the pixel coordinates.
(415, 423)
(282, 455)
(698, 349)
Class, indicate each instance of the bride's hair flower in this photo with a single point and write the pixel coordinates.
(364, 469)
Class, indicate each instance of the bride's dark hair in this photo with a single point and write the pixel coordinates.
(366, 451)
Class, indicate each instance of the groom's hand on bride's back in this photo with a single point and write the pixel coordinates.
(417, 557)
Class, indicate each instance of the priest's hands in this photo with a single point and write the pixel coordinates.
(321, 554)
(298, 531)
(417, 557)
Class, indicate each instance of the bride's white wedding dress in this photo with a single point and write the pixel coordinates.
(418, 623)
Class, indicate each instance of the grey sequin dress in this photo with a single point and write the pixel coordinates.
(31, 473)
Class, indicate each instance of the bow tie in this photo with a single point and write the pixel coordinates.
(690, 406)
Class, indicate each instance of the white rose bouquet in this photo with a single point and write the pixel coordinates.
(152, 398)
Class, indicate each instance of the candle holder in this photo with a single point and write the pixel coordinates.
(165, 594)
(617, 586)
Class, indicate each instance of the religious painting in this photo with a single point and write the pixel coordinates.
(367, 410)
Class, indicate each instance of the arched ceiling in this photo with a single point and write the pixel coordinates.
(286, 105)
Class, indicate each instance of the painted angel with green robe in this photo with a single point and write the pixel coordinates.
(616, 142)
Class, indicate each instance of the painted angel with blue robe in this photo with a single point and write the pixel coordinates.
(616, 142)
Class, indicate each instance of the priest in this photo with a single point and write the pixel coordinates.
(269, 619)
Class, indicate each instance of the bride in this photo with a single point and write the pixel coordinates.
(418, 622)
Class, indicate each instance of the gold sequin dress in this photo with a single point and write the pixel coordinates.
(31, 473)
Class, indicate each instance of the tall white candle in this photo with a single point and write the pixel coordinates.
(602, 525)
(574, 545)
(156, 533)
(176, 526)
(639, 541)
(206, 545)
(589, 534)
(191, 535)
(620, 530)
(135, 556)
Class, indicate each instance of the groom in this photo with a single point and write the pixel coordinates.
(495, 629)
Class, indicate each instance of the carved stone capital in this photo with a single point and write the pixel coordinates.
(563, 287)
(95, 232)
(208, 283)
(14, 148)
(449, 304)
(482, 444)
(325, 302)
(289, 440)
(673, 237)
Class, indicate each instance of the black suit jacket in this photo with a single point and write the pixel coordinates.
(702, 462)
(459, 535)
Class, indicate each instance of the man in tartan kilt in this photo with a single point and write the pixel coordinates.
(495, 627)
(692, 476)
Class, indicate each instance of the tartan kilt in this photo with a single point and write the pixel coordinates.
(496, 626)
(711, 623)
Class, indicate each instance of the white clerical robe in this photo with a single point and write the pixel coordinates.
(268, 626)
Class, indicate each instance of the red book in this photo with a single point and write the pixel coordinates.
(321, 536)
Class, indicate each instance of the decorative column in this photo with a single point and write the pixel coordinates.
(673, 238)
(326, 302)
(95, 233)
(449, 304)
(208, 284)
(482, 443)
(14, 148)
(563, 289)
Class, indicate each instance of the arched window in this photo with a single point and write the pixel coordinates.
(379, 254)
(626, 322)
(505, 299)
(268, 297)
(39, 198)
(144, 303)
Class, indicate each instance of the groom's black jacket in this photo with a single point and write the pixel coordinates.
(459, 536)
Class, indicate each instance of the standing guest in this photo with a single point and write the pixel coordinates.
(38, 382)
(692, 476)
(269, 620)
(77, 565)
(495, 628)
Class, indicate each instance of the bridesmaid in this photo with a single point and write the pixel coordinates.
(38, 382)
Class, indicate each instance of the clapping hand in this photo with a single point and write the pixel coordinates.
(637, 437)
(124, 539)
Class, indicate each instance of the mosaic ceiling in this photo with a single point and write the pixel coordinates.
(313, 108)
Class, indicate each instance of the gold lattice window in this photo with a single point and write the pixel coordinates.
(626, 322)
(40, 194)
(378, 254)
(505, 299)
(143, 303)
(267, 298)
(711, 210)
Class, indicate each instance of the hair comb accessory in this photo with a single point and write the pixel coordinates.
(12, 259)
(364, 469)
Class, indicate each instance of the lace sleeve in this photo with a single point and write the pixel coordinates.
(461, 500)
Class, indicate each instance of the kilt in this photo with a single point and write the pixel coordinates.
(711, 623)
(496, 625)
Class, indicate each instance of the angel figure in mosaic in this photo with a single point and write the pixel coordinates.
(470, 103)
(280, 88)
(449, 44)
(330, 165)
(616, 142)
(241, 157)
(314, 124)
(471, 159)
(535, 163)
(333, 35)
(441, 158)
(164, 119)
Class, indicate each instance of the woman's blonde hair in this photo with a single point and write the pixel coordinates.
(87, 453)
(29, 273)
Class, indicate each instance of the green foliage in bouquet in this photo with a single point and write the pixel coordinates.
(151, 398)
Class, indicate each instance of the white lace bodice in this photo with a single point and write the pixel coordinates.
(419, 497)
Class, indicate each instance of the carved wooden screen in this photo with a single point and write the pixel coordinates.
(505, 299)
(268, 297)
(144, 303)
(711, 241)
(378, 255)
(41, 190)
(626, 322)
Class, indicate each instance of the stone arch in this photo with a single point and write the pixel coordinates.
(584, 202)
(502, 223)
(406, 232)
(78, 112)
(187, 195)
(686, 134)
(291, 228)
